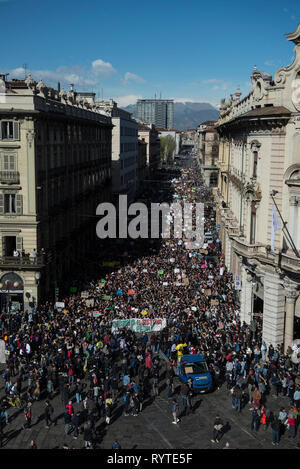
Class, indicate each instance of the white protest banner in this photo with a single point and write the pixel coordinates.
(59, 304)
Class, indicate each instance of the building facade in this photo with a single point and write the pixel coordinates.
(55, 152)
(159, 112)
(149, 134)
(207, 148)
(142, 164)
(259, 181)
(124, 149)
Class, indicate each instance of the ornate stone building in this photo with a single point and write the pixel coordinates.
(259, 161)
(207, 147)
(55, 155)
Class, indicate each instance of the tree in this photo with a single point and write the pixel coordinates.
(167, 147)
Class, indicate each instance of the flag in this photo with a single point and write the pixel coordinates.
(276, 225)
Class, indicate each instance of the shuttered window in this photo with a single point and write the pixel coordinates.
(10, 130)
(8, 162)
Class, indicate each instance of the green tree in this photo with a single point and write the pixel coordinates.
(167, 147)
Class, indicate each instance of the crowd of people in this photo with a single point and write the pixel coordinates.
(100, 372)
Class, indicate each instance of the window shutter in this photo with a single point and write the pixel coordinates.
(1, 204)
(19, 243)
(16, 131)
(0, 130)
(19, 204)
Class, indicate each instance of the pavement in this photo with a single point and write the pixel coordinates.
(153, 428)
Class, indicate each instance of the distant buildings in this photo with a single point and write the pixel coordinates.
(149, 134)
(124, 149)
(207, 148)
(159, 112)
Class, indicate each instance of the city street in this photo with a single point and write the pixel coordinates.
(153, 428)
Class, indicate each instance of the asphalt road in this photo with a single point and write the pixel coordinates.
(152, 428)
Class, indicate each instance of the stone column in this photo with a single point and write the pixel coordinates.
(274, 309)
(296, 237)
(246, 297)
(291, 295)
(227, 252)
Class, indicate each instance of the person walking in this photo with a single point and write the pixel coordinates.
(76, 424)
(27, 415)
(88, 434)
(175, 410)
(291, 422)
(255, 419)
(48, 411)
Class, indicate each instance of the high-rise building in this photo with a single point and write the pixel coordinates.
(159, 112)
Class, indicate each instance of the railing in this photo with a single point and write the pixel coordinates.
(281, 260)
(22, 261)
(9, 177)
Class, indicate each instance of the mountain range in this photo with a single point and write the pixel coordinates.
(188, 115)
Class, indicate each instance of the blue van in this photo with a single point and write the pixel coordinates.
(195, 367)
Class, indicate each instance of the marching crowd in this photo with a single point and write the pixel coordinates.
(101, 373)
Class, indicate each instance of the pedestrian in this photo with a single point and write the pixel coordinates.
(48, 412)
(32, 445)
(263, 418)
(76, 424)
(27, 415)
(116, 445)
(175, 410)
(255, 418)
(291, 423)
(275, 425)
(88, 434)
(217, 430)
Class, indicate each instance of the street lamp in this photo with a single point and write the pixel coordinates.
(37, 277)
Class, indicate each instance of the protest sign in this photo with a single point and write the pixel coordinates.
(139, 325)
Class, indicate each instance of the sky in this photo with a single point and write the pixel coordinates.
(186, 50)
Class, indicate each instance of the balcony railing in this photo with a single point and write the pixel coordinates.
(22, 261)
(258, 251)
(9, 177)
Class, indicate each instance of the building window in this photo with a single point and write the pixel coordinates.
(10, 203)
(8, 162)
(255, 160)
(9, 130)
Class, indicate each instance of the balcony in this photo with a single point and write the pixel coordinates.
(22, 262)
(283, 261)
(9, 177)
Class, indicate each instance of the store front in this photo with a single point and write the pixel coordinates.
(11, 293)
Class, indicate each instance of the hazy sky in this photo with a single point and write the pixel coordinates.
(187, 50)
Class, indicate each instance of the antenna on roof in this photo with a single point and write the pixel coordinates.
(25, 70)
